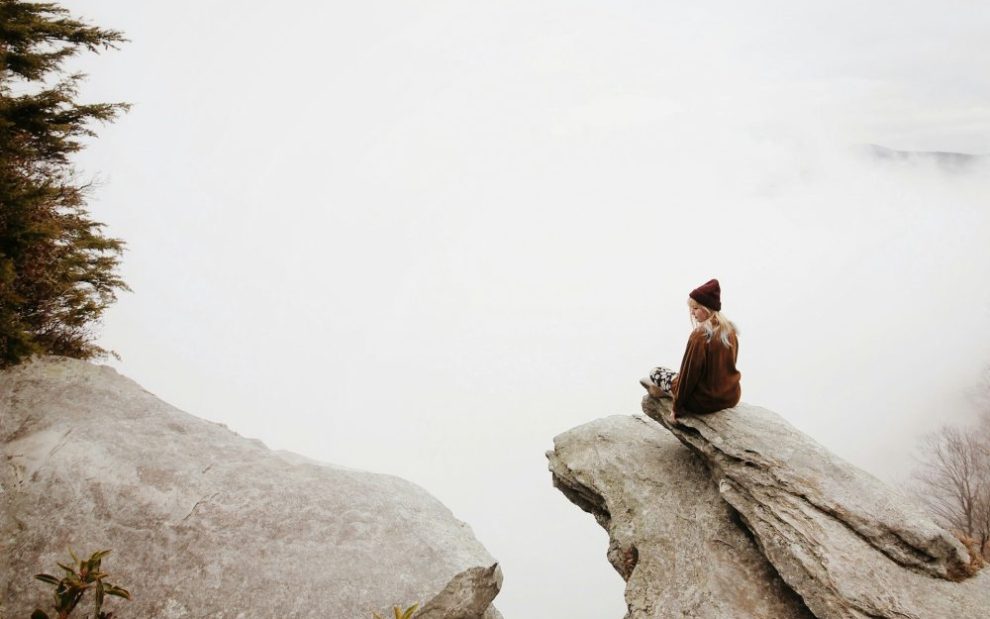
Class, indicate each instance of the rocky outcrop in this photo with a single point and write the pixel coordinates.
(674, 541)
(752, 509)
(205, 523)
(846, 543)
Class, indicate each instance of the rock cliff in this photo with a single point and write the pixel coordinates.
(674, 541)
(206, 523)
(820, 537)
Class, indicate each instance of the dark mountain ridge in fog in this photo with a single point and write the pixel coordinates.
(943, 158)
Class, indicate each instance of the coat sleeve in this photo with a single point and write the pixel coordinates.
(692, 367)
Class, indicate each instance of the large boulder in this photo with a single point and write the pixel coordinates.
(850, 546)
(206, 523)
(675, 542)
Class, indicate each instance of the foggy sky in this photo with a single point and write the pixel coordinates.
(424, 238)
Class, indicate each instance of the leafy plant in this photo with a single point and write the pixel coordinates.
(399, 613)
(83, 575)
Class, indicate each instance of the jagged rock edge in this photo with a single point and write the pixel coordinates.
(839, 516)
(578, 493)
(722, 479)
(771, 554)
(623, 558)
(440, 607)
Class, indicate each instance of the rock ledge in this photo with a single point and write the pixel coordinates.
(737, 514)
(849, 545)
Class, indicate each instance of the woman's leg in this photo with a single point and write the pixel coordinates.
(660, 379)
(663, 377)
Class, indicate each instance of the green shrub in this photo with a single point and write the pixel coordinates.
(81, 576)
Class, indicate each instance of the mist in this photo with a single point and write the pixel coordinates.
(424, 239)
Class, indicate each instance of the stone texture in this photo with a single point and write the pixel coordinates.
(850, 546)
(206, 523)
(673, 540)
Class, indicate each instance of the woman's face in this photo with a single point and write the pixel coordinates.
(699, 313)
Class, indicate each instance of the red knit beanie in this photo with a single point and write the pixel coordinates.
(708, 294)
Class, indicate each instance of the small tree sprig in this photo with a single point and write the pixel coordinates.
(399, 613)
(81, 576)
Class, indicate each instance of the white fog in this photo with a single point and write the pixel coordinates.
(425, 238)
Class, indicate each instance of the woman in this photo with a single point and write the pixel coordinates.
(708, 380)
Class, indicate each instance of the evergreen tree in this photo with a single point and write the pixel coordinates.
(58, 271)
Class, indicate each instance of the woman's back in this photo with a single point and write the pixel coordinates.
(708, 380)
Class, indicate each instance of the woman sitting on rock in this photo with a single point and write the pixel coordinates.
(708, 380)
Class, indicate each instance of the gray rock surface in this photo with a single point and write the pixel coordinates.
(850, 546)
(672, 538)
(206, 523)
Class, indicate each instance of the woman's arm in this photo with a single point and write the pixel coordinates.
(692, 367)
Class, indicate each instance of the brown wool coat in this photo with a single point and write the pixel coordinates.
(708, 380)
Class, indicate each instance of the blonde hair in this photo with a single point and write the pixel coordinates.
(715, 325)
